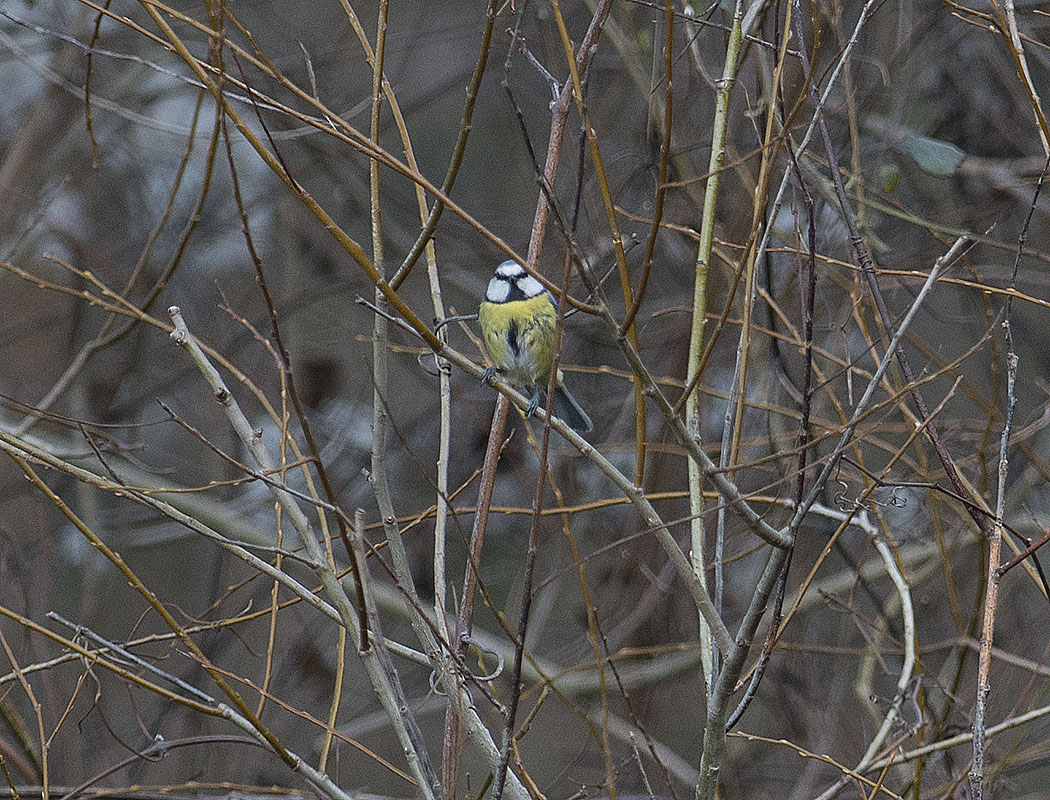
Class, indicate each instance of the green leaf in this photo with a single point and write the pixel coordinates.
(890, 177)
(932, 155)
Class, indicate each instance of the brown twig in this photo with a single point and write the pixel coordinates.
(971, 503)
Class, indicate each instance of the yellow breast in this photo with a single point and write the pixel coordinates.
(519, 338)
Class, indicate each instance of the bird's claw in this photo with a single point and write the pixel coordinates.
(534, 403)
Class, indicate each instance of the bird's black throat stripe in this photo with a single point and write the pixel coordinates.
(512, 337)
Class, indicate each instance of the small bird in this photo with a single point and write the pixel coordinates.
(517, 319)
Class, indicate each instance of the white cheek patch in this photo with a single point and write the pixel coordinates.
(529, 286)
(498, 290)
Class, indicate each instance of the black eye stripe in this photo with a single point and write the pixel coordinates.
(509, 288)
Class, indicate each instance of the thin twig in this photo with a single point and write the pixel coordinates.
(864, 258)
(698, 327)
(892, 349)
(385, 681)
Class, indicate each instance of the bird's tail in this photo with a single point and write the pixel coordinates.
(569, 411)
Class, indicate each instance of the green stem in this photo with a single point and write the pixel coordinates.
(696, 337)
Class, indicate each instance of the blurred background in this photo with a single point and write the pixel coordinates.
(112, 174)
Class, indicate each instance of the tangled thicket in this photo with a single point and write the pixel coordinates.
(799, 249)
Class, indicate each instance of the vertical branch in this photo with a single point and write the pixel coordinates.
(635, 303)
(991, 594)
(44, 762)
(733, 419)
(1008, 22)
(526, 606)
(630, 330)
(452, 750)
(807, 293)
(429, 782)
(722, 689)
(271, 635)
(379, 331)
(661, 170)
(89, 114)
(699, 318)
(379, 477)
(995, 570)
(465, 620)
(559, 115)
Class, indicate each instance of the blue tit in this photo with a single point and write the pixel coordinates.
(517, 319)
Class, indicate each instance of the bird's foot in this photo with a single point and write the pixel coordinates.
(534, 403)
